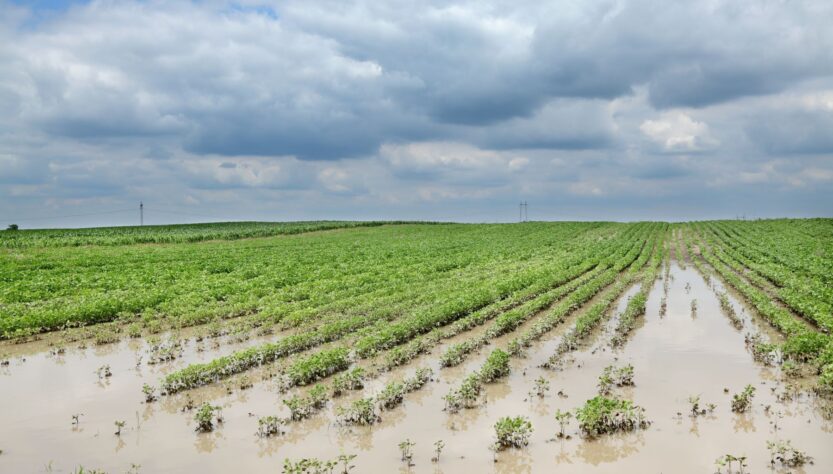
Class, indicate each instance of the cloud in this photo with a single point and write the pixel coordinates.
(677, 132)
(259, 106)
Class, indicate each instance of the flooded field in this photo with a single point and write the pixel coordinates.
(675, 355)
(619, 348)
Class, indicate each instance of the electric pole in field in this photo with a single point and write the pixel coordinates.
(523, 211)
(141, 213)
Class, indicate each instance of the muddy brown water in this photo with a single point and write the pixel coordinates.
(674, 356)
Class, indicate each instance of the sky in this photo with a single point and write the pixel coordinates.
(299, 110)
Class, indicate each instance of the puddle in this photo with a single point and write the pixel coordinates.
(675, 355)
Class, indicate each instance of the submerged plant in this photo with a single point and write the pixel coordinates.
(728, 460)
(149, 392)
(563, 419)
(541, 387)
(696, 409)
(269, 426)
(602, 415)
(782, 452)
(207, 416)
(405, 450)
(104, 371)
(615, 376)
(304, 407)
(350, 380)
(513, 432)
(743, 400)
(360, 412)
(119, 425)
(438, 448)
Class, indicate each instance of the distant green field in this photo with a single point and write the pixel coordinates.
(167, 234)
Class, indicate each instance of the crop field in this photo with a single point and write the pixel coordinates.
(387, 347)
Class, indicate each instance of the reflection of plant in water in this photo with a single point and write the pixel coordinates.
(728, 460)
(782, 452)
(438, 448)
(513, 432)
(694, 307)
(663, 306)
(743, 400)
(405, 449)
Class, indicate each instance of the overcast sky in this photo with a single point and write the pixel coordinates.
(210, 110)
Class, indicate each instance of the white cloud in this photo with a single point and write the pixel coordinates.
(677, 132)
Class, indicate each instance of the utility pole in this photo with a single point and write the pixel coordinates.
(526, 211)
(141, 213)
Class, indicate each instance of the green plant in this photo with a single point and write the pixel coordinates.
(207, 416)
(350, 380)
(316, 466)
(495, 367)
(119, 425)
(696, 409)
(269, 426)
(438, 448)
(149, 392)
(405, 448)
(360, 412)
(303, 407)
(615, 376)
(602, 415)
(727, 460)
(513, 432)
(743, 400)
(563, 419)
(392, 395)
(782, 452)
(541, 387)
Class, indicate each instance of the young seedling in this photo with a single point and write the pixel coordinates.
(206, 417)
(563, 419)
(104, 372)
(405, 449)
(269, 426)
(149, 392)
(727, 461)
(119, 425)
(541, 387)
(783, 453)
(438, 448)
(512, 432)
(76, 418)
(743, 400)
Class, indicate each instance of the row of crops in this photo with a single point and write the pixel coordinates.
(783, 269)
(393, 292)
(167, 234)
